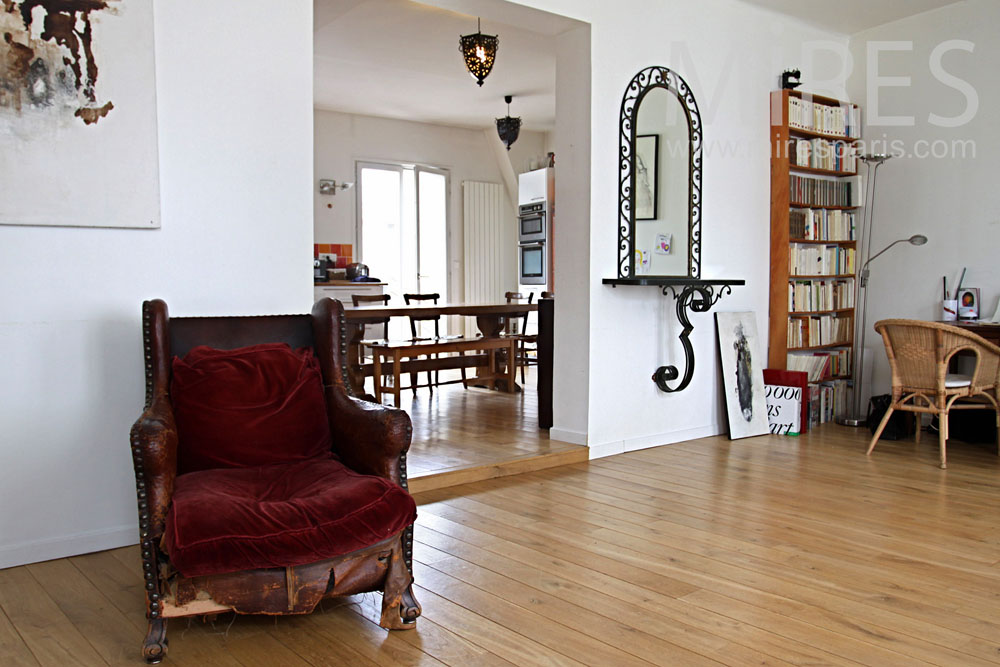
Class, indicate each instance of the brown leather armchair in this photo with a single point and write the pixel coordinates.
(332, 522)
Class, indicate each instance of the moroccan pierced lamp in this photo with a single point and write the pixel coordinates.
(479, 51)
(507, 127)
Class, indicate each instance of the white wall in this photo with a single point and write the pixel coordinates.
(342, 139)
(731, 54)
(235, 142)
(953, 200)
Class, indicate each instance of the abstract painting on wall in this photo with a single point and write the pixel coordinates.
(742, 374)
(78, 114)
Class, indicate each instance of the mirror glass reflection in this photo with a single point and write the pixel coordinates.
(662, 192)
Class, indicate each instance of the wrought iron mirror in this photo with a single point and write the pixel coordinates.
(659, 196)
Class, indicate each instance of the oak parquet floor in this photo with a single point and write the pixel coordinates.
(456, 429)
(776, 551)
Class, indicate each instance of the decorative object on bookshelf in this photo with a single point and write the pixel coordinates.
(968, 303)
(675, 265)
(814, 246)
(790, 79)
(647, 158)
(742, 374)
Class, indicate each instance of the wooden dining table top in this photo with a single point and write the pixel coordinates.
(470, 309)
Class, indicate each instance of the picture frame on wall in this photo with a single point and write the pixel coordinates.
(647, 163)
(968, 303)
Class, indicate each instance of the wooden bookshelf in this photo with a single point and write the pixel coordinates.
(782, 166)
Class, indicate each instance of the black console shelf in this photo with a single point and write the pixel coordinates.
(691, 294)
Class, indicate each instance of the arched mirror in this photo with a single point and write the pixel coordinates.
(659, 197)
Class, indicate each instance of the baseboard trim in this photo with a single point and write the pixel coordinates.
(68, 545)
(657, 440)
(566, 435)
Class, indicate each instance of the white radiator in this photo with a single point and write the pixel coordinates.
(487, 246)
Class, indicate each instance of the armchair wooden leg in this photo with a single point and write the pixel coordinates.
(154, 648)
(943, 437)
(399, 608)
(878, 432)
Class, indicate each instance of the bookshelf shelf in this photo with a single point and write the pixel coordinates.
(827, 242)
(834, 122)
(796, 204)
(810, 313)
(813, 348)
(812, 134)
(815, 170)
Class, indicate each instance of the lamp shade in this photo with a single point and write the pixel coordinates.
(479, 51)
(508, 127)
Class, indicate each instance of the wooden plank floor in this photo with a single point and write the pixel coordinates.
(475, 430)
(776, 551)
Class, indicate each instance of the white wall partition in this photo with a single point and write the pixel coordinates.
(236, 236)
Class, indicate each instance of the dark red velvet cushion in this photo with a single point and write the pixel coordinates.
(227, 520)
(248, 407)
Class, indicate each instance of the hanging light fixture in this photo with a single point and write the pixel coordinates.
(479, 51)
(508, 128)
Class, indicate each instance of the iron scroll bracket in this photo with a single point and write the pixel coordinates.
(691, 295)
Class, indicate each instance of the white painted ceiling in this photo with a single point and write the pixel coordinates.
(850, 16)
(400, 59)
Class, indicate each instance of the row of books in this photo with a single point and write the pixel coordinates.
(843, 121)
(819, 330)
(806, 259)
(819, 192)
(821, 366)
(823, 154)
(821, 224)
(811, 295)
(827, 401)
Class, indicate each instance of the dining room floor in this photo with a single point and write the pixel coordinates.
(457, 429)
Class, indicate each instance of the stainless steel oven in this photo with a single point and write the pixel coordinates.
(532, 263)
(531, 223)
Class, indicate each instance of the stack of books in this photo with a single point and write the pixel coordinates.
(820, 260)
(827, 401)
(821, 224)
(818, 330)
(823, 154)
(819, 192)
(812, 295)
(842, 120)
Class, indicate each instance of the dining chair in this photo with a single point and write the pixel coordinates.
(415, 331)
(359, 299)
(517, 325)
(919, 356)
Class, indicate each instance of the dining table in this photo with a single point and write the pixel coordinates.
(490, 320)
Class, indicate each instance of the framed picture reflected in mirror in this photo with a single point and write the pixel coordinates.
(647, 154)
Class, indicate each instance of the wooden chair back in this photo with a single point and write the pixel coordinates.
(517, 297)
(358, 299)
(433, 297)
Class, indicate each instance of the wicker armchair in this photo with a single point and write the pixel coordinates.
(919, 354)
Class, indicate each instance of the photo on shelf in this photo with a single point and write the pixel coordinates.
(647, 150)
(968, 303)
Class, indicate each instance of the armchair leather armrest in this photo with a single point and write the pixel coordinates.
(154, 454)
(369, 438)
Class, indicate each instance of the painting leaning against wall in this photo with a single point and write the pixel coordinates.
(78, 114)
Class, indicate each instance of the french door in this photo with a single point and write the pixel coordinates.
(403, 232)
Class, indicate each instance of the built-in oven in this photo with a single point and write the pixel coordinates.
(531, 223)
(533, 264)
